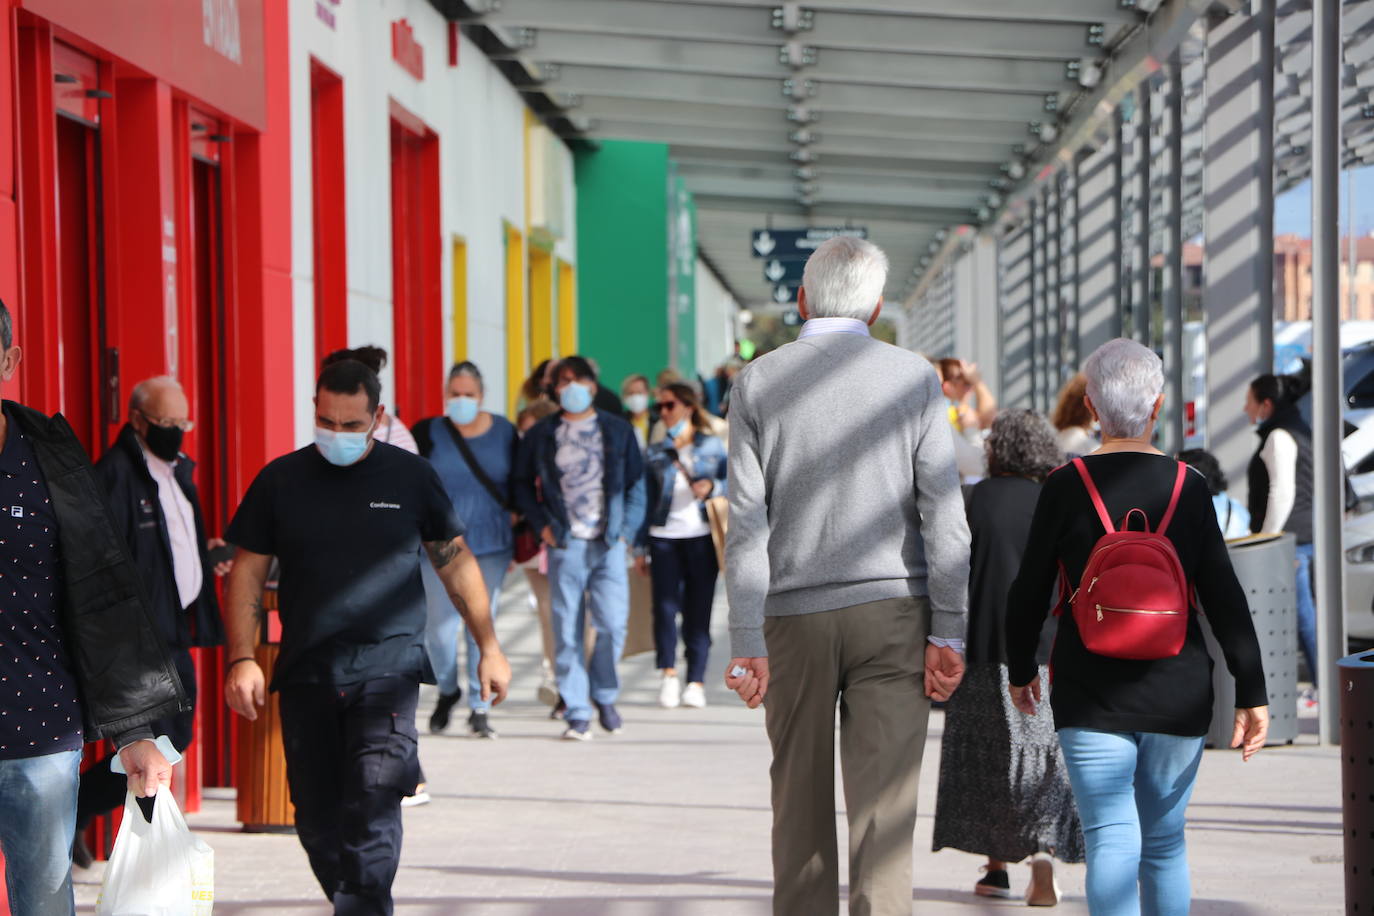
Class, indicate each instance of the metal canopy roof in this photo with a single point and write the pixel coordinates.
(898, 115)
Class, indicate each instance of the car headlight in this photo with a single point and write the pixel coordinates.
(1364, 553)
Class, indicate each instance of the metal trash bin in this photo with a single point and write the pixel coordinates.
(1266, 572)
(1355, 682)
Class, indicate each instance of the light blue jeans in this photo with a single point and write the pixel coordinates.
(598, 571)
(441, 629)
(37, 825)
(1307, 609)
(1132, 791)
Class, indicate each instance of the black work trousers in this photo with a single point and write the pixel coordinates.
(350, 759)
(103, 790)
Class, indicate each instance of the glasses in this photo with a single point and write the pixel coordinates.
(668, 405)
(168, 423)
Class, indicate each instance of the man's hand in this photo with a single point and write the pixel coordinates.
(971, 373)
(146, 767)
(642, 565)
(703, 488)
(944, 671)
(547, 536)
(493, 673)
(1027, 698)
(245, 689)
(221, 569)
(1252, 727)
(752, 686)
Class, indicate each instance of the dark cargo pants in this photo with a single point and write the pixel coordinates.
(350, 759)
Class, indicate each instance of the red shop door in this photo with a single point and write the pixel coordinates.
(417, 355)
(80, 280)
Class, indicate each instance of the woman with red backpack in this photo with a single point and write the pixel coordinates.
(1129, 539)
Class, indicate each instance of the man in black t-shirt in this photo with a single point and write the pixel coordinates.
(346, 518)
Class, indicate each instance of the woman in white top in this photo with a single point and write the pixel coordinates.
(683, 470)
(1073, 421)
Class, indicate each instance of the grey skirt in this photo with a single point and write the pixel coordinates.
(1004, 791)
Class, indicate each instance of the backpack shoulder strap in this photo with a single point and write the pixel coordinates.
(1173, 500)
(1095, 496)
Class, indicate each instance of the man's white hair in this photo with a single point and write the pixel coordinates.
(143, 391)
(844, 278)
(1124, 380)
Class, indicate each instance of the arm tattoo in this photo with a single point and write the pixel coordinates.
(459, 602)
(442, 553)
(259, 613)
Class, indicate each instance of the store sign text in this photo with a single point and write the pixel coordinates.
(221, 28)
(324, 11)
(405, 50)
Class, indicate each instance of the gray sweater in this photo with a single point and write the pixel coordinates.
(843, 488)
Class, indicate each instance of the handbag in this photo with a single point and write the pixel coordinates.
(526, 540)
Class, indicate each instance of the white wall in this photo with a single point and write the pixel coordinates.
(480, 121)
(716, 311)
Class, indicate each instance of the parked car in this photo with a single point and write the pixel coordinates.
(1359, 580)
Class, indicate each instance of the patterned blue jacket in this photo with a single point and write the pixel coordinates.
(709, 462)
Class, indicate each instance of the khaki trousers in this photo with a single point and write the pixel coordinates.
(871, 659)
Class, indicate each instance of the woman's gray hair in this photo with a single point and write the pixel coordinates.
(470, 370)
(1124, 380)
(1022, 444)
(844, 278)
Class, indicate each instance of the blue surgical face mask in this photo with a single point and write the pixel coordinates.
(576, 397)
(341, 449)
(462, 410)
(676, 429)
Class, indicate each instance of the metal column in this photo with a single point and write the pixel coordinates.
(1141, 313)
(1238, 129)
(1053, 291)
(1014, 270)
(1037, 256)
(1326, 355)
(1069, 358)
(1174, 366)
(1099, 251)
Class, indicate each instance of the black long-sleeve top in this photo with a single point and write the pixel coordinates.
(1171, 695)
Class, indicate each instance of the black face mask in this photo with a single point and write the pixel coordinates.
(164, 441)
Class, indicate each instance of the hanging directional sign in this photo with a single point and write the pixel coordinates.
(792, 318)
(797, 243)
(784, 270)
(784, 294)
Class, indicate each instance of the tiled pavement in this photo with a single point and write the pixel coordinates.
(671, 818)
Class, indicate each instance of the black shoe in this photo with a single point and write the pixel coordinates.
(994, 884)
(438, 721)
(81, 853)
(478, 725)
(610, 718)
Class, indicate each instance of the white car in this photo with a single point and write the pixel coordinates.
(1359, 578)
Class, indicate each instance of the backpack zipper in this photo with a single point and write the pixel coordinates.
(1127, 610)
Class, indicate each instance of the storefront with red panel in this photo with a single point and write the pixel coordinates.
(145, 230)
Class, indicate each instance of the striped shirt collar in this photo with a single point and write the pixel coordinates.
(817, 326)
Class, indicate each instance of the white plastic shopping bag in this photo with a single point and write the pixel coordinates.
(159, 868)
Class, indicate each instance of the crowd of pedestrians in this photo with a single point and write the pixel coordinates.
(886, 547)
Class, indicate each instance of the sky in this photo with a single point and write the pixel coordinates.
(1293, 209)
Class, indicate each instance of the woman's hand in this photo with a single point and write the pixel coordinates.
(1027, 698)
(703, 488)
(1252, 727)
(642, 565)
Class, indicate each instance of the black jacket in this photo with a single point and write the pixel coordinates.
(1300, 519)
(123, 670)
(136, 511)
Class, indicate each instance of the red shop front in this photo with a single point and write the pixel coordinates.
(145, 230)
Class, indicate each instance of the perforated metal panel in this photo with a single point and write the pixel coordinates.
(1355, 677)
(1267, 572)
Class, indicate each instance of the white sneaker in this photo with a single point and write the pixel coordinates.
(670, 692)
(694, 696)
(548, 688)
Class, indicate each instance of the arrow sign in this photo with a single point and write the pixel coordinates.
(781, 295)
(798, 243)
(784, 271)
(792, 318)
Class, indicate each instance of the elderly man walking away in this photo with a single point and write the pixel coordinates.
(848, 581)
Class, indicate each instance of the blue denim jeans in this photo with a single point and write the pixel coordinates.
(441, 629)
(593, 569)
(1307, 609)
(1132, 791)
(37, 825)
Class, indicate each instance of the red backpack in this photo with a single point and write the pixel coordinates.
(1133, 599)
